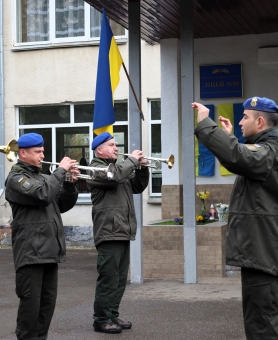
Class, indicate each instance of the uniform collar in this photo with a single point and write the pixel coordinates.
(29, 167)
(263, 136)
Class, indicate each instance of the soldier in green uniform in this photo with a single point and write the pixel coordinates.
(252, 237)
(38, 241)
(115, 226)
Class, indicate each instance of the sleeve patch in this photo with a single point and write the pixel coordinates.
(20, 179)
(253, 147)
(26, 185)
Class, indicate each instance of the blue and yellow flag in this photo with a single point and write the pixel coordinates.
(234, 112)
(108, 77)
(204, 159)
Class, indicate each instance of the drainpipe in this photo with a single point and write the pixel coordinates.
(2, 107)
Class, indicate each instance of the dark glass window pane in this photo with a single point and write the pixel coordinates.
(155, 110)
(84, 113)
(156, 138)
(120, 110)
(44, 115)
(73, 142)
(156, 183)
(47, 137)
(121, 137)
(156, 153)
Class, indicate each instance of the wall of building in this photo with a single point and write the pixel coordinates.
(259, 79)
(57, 75)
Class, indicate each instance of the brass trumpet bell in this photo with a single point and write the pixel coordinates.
(171, 161)
(11, 150)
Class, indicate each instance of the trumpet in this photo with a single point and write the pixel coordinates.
(91, 171)
(157, 161)
(11, 150)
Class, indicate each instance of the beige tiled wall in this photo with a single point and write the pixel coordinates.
(163, 255)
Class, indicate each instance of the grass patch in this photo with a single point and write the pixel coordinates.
(165, 223)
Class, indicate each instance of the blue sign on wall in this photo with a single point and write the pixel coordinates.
(221, 81)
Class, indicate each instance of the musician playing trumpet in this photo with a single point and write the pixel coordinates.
(114, 224)
(38, 241)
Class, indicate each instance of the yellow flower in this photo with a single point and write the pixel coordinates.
(199, 218)
(203, 195)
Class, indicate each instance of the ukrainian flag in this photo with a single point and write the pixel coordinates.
(204, 159)
(234, 112)
(108, 77)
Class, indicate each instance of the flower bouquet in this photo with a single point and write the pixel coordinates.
(222, 211)
(203, 195)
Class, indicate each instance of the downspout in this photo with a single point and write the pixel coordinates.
(2, 107)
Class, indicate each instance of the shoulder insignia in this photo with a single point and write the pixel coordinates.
(253, 147)
(26, 185)
(20, 179)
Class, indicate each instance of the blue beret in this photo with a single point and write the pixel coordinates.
(103, 137)
(260, 104)
(29, 140)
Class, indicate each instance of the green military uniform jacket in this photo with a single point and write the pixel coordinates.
(113, 212)
(252, 237)
(37, 201)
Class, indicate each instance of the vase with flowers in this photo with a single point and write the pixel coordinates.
(203, 195)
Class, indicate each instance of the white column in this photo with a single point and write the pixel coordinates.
(135, 132)
(188, 154)
(170, 108)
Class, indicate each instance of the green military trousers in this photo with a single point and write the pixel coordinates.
(112, 267)
(36, 286)
(260, 304)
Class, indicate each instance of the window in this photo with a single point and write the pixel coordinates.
(45, 21)
(67, 130)
(155, 146)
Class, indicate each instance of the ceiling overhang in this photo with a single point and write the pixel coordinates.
(160, 19)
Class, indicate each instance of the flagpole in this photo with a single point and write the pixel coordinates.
(130, 83)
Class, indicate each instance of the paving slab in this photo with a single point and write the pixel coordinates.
(158, 309)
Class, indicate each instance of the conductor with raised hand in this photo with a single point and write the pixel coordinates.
(115, 225)
(252, 237)
(38, 241)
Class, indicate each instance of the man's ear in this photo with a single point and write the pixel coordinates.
(99, 150)
(21, 153)
(260, 122)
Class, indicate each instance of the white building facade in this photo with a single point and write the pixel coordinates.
(50, 54)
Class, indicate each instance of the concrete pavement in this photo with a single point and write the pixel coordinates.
(158, 309)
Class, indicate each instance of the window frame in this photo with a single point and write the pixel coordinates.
(53, 41)
(83, 198)
(152, 122)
